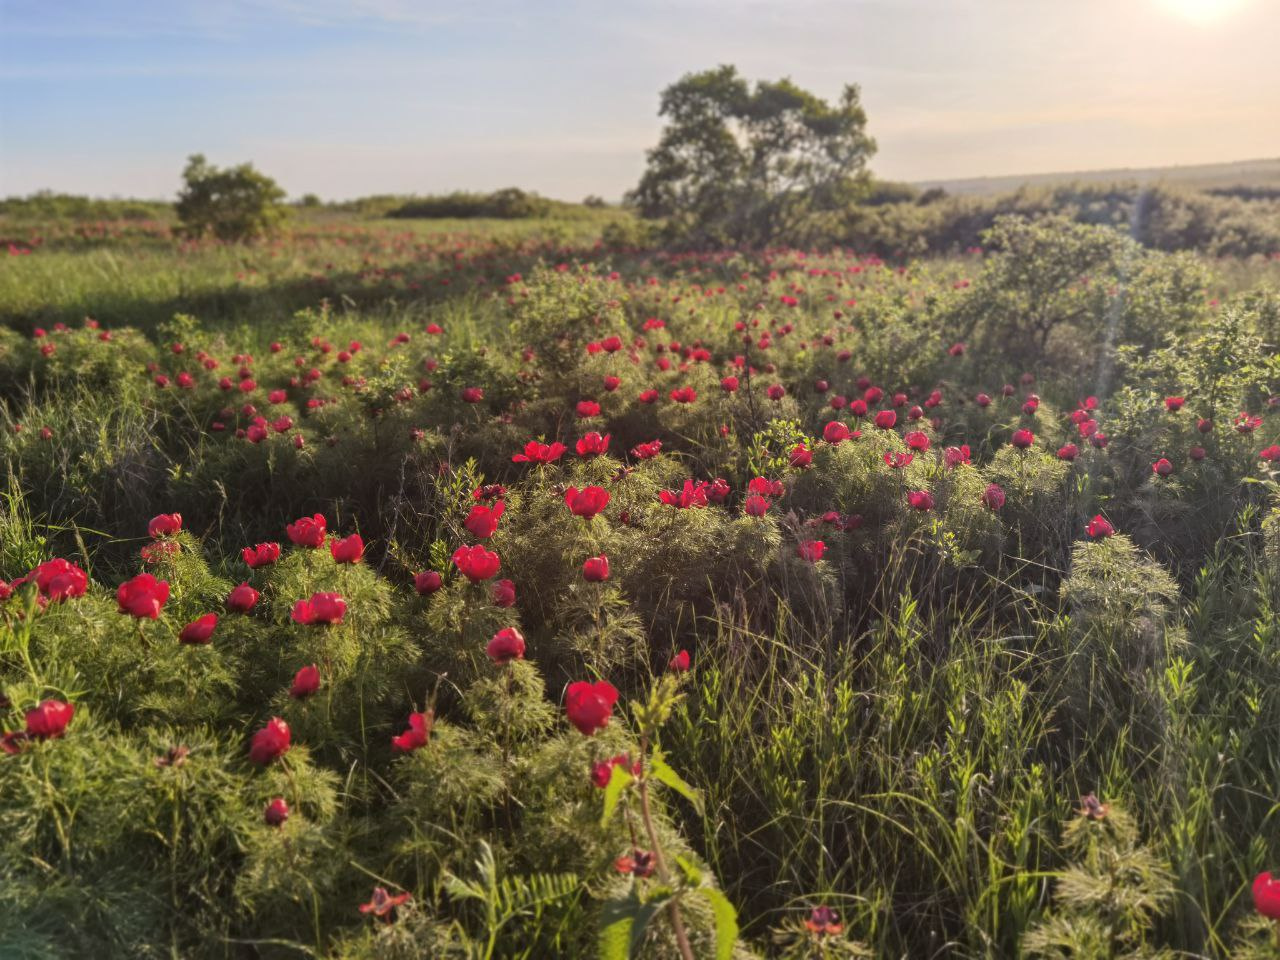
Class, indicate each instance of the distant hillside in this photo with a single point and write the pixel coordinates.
(1251, 173)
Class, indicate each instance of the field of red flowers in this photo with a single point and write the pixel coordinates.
(381, 593)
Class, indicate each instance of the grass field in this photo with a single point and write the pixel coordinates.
(601, 601)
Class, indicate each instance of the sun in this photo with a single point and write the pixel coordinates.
(1202, 11)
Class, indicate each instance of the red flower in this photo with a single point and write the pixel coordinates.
(242, 598)
(1162, 467)
(504, 593)
(1099, 527)
(482, 521)
(472, 394)
(835, 432)
(955, 456)
(1068, 452)
(271, 742)
(587, 502)
(476, 563)
(59, 579)
(322, 608)
(755, 505)
(596, 569)
(1174, 404)
(885, 419)
(418, 734)
(383, 904)
(143, 597)
(1197, 453)
(920, 500)
(347, 550)
(823, 921)
(587, 409)
(507, 645)
(263, 555)
(640, 863)
(48, 720)
(307, 531)
(679, 663)
(776, 391)
(589, 705)
(811, 550)
(427, 582)
(1022, 439)
(729, 384)
(690, 495)
(305, 682)
(535, 452)
(917, 441)
(648, 396)
(800, 457)
(164, 525)
(593, 445)
(276, 812)
(602, 772)
(993, 497)
(647, 451)
(199, 630)
(684, 395)
(896, 460)
(1266, 895)
(1270, 454)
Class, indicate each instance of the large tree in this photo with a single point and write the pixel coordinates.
(738, 165)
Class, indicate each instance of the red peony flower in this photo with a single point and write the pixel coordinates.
(383, 905)
(755, 505)
(920, 500)
(418, 734)
(596, 569)
(956, 456)
(164, 525)
(242, 598)
(276, 812)
(589, 705)
(504, 593)
(1068, 452)
(800, 457)
(427, 582)
(143, 597)
(886, 419)
(347, 550)
(917, 441)
(1162, 467)
(58, 579)
(307, 531)
(729, 384)
(897, 461)
(48, 720)
(602, 772)
(305, 682)
(472, 394)
(679, 663)
(593, 445)
(647, 451)
(476, 563)
(482, 521)
(507, 645)
(1099, 527)
(1266, 895)
(993, 497)
(835, 432)
(199, 630)
(691, 495)
(1174, 404)
(587, 502)
(586, 409)
(262, 555)
(684, 395)
(321, 608)
(535, 452)
(270, 743)
(1022, 439)
(811, 550)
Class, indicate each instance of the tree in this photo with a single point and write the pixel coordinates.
(748, 167)
(236, 203)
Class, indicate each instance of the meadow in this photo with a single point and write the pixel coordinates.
(476, 588)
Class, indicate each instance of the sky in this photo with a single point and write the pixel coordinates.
(346, 98)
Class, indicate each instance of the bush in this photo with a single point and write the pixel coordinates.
(234, 204)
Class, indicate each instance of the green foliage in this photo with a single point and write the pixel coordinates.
(236, 203)
(746, 166)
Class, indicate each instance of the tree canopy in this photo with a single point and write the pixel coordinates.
(747, 166)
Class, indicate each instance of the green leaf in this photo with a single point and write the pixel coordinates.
(623, 923)
(726, 919)
(619, 779)
(665, 775)
(691, 873)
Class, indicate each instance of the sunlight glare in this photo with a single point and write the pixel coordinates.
(1202, 11)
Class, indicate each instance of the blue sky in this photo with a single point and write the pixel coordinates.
(396, 96)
